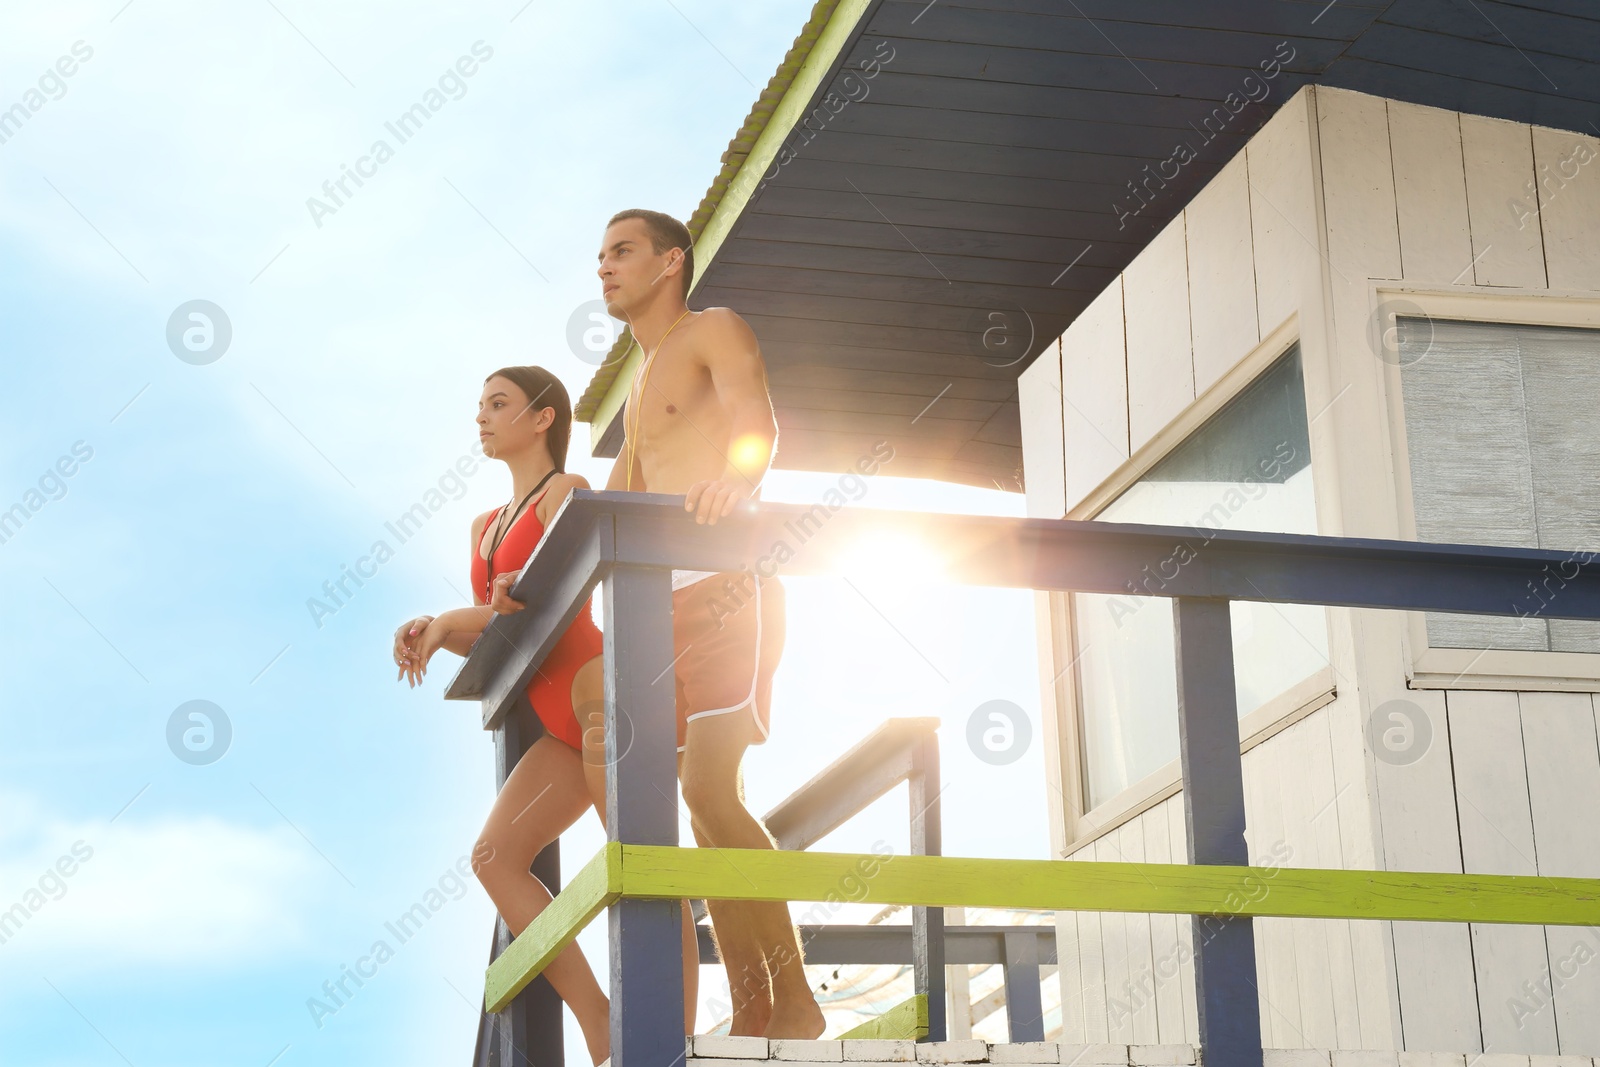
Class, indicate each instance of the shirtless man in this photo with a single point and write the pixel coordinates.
(699, 422)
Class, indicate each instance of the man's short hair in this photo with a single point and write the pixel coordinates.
(666, 232)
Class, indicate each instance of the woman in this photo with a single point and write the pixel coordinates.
(525, 421)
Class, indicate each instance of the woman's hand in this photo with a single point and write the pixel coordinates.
(431, 640)
(405, 641)
(502, 602)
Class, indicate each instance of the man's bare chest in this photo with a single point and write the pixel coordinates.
(671, 395)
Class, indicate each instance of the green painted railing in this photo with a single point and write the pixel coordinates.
(906, 1021)
(659, 872)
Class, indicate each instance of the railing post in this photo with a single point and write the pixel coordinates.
(1213, 787)
(927, 924)
(1024, 1002)
(642, 809)
(529, 1032)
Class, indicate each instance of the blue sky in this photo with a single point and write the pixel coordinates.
(174, 564)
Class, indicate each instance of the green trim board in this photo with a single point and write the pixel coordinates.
(593, 890)
(842, 24)
(662, 872)
(776, 113)
(665, 873)
(906, 1021)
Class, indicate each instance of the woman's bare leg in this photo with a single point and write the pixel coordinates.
(544, 795)
(588, 697)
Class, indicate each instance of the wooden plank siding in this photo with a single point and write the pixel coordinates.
(1222, 275)
(1430, 193)
(1498, 156)
(1496, 821)
(1559, 739)
(1155, 291)
(1039, 402)
(1094, 394)
(1339, 196)
(1568, 200)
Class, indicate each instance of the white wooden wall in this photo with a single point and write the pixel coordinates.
(1340, 189)
(1424, 197)
(1323, 983)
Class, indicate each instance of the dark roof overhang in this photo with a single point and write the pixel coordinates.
(927, 194)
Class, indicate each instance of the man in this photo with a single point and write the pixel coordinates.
(699, 422)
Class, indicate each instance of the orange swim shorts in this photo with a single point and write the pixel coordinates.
(727, 637)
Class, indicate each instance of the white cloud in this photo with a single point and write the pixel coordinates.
(181, 891)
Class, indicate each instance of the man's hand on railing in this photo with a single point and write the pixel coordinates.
(714, 499)
(502, 602)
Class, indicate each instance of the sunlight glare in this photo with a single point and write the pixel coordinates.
(882, 555)
(749, 452)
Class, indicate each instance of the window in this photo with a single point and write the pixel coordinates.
(1248, 468)
(1503, 440)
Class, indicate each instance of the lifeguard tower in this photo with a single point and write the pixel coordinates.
(1285, 316)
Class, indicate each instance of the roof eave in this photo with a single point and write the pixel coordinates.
(806, 67)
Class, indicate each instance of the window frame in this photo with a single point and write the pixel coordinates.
(1468, 668)
(1081, 823)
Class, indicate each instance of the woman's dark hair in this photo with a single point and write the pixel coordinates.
(544, 390)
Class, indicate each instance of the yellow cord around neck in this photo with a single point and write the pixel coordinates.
(632, 431)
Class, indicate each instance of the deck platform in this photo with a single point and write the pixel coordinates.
(710, 1051)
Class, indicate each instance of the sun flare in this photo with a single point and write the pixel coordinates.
(882, 555)
(749, 452)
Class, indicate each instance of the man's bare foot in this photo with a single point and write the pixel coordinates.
(751, 1021)
(796, 1018)
(752, 1008)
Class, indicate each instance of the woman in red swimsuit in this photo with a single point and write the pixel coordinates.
(525, 421)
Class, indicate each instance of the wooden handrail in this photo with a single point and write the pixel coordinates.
(597, 530)
(879, 762)
(653, 872)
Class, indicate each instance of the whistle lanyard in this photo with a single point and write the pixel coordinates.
(503, 530)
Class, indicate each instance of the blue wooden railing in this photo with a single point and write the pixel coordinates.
(630, 542)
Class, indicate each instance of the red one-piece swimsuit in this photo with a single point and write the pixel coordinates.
(550, 692)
